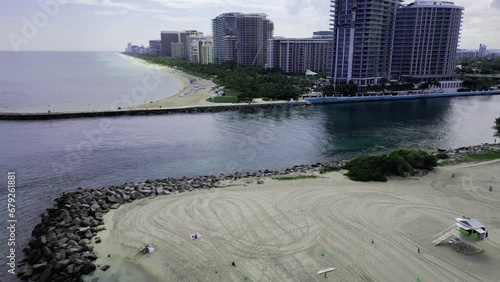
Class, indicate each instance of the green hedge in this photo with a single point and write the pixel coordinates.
(399, 162)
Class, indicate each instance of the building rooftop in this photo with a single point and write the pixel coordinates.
(469, 223)
(430, 3)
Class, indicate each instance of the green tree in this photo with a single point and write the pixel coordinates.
(496, 127)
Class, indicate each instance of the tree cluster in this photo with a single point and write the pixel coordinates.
(483, 65)
(249, 82)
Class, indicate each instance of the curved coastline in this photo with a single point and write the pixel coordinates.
(62, 247)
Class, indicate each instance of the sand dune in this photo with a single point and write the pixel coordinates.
(279, 230)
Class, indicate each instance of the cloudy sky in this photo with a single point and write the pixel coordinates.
(110, 24)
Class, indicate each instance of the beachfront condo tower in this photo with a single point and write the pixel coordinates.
(167, 38)
(253, 32)
(363, 32)
(242, 38)
(222, 26)
(299, 54)
(425, 41)
(183, 39)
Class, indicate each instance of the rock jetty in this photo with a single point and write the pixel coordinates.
(61, 248)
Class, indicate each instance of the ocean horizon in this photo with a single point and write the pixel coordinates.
(60, 81)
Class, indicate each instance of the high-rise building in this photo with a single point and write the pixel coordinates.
(363, 32)
(253, 32)
(201, 49)
(177, 50)
(323, 34)
(426, 40)
(167, 38)
(298, 55)
(223, 25)
(230, 54)
(483, 52)
(183, 36)
(155, 47)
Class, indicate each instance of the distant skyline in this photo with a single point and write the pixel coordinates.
(108, 25)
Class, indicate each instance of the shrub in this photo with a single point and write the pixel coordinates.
(399, 162)
(365, 169)
(442, 156)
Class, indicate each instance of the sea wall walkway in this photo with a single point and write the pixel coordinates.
(233, 107)
(328, 100)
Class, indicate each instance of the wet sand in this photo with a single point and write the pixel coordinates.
(278, 231)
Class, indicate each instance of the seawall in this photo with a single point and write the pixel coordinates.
(329, 100)
(142, 112)
(233, 107)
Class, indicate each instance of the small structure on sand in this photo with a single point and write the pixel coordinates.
(325, 271)
(465, 235)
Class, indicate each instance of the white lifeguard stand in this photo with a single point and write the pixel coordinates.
(465, 235)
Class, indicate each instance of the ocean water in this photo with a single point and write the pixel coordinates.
(77, 81)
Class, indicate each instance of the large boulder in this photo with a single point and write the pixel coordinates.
(88, 268)
(136, 195)
(60, 265)
(111, 199)
(46, 274)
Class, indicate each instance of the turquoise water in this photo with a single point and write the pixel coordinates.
(77, 81)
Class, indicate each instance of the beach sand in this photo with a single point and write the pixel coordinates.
(195, 91)
(280, 230)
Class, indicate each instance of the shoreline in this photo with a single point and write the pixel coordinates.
(194, 90)
(82, 214)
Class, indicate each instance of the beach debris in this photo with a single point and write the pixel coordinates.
(233, 264)
(418, 250)
(195, 236)
(323, 253)
(373, 241)
(260, 181)
(245, 277)
(490, 189)
(418, 278)
(105, 267)
(148, 249)
(453, 175)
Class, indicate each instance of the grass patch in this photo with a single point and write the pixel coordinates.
(230, 97)
(222, 99)
(474, 158)
(296, 177)
(329, 168)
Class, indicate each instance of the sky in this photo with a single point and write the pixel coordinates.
(108, 25)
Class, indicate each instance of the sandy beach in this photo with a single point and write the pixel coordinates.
(280, 230)
(195, 91)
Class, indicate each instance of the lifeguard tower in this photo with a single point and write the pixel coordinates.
(465, 235)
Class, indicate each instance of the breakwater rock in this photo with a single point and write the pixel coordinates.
(144, 112)
(61, 248)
